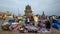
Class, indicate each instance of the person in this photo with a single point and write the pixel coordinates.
(31, 18)
(21, 29)
(27, 21)
(48, 25)
(36, 20)
(54, 19)
(32, 28)
(0, 25)
(23, 19)
(39, 24)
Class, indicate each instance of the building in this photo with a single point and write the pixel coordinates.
(43, 15)
(28, 11)
(4, 15)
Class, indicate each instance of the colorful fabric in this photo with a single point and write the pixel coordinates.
(35, 19)
(23, 20)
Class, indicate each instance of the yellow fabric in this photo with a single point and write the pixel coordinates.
(35, 19)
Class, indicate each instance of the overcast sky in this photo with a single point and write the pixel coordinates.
(50, 7)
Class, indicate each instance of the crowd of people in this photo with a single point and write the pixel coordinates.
(29, 24)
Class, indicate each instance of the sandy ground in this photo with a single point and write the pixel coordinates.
(9, 32)
(17, 32)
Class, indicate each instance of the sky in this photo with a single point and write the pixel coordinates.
(50, 7)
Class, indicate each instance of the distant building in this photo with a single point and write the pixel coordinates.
(28, 11)
(43, 15)
(4, 15)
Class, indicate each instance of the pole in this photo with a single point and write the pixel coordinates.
(18, 11)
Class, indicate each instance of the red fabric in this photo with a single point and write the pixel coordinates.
(42, 18)
(39, 28)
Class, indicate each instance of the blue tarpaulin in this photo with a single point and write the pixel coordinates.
(58, 20)
(11, 20)
(56, 25)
